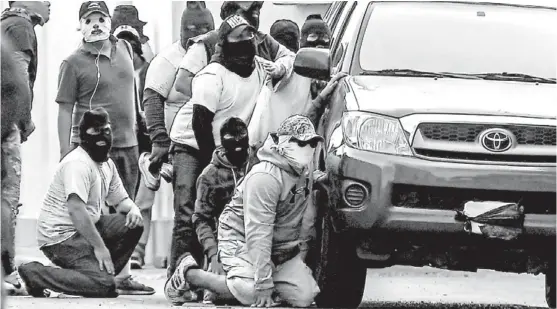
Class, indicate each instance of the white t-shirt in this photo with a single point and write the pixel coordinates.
(273, 107)
(161, 75)
(222, 92)
(195, 59)
(94, 183)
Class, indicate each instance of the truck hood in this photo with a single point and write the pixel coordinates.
(402, 96)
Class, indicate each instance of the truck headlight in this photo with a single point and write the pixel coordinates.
(377, 133)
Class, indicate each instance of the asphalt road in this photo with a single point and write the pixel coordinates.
(395, 287)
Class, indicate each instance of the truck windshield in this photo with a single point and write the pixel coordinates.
(494, 42)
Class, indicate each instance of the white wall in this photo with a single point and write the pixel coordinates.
(59, 37)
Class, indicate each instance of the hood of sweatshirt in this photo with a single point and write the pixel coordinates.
(268, 154)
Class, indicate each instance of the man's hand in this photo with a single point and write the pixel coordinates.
(263, 298)
(215, 266)
(331, 86)
(105, 261)
(26, 130)
(134, 218)
(158, 153)
(274, 70)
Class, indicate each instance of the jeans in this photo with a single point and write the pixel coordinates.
(11, 182)
(184, 239)
(80, 273)
(126, 161)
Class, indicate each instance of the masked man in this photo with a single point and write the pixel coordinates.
(18, 32)
(190, 157)
(215, 187)
(296, 97)
(89, 247)
(144, 197)
(259, 229)
(100, 73)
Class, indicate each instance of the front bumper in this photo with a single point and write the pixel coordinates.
(381, 173)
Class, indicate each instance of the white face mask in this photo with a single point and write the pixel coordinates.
(95, 27)
(298, 157)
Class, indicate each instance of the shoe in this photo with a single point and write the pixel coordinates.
(14, 285)
(131, 287)
(136, 262)
(167, 171)
(176, 289)
(152, 181)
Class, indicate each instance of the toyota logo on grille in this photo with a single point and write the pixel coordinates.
(496, 140)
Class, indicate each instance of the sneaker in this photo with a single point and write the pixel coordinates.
(152, 181)
(14, 285)
(131, 287)
(176, 289)
(136, 262)
(167, 171)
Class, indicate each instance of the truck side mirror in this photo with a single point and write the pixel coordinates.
(313, 63)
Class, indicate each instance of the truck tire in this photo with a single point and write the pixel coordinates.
(340, 275)
(550, 287)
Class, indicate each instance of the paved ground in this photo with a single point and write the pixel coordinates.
(395, 287)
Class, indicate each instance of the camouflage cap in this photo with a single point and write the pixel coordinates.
(299, 127)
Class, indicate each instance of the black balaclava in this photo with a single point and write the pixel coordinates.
(196, 20)
(235, 141)
(97, 118)
(238, 57)
(315, 33)
(287, 33)
(250, 10)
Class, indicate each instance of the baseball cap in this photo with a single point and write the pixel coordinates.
(234, 24)
(89, 7)
(298, 127)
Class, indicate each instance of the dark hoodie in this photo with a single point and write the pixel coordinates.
(215, 187)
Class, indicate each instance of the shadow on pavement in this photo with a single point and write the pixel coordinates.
(428, 305)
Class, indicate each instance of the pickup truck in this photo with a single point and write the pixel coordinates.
(445, 103)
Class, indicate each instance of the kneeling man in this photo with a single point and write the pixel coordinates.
(259, 230)
(88, 246)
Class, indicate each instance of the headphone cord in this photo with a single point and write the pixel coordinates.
(98, 77)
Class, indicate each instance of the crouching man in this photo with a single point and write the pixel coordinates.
(88, 246)
(259, 230)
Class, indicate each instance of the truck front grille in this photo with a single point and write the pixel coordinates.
(484, 157)
(468, 133)
(447, 198)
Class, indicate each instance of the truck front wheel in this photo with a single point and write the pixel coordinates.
(341, 276)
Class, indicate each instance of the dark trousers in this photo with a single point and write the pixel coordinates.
(127, 164)
(184, 239)
(80, 273)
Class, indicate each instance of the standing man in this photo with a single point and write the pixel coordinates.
(100, 73)
(15, 96)
(18, 32)
(162, 99)
(228, 86)
(126, 25)
(189, 158)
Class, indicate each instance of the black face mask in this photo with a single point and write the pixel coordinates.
(238, 57)
(320, 40)
(96, 152)
(236, 149)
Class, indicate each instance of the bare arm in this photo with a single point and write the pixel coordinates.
(183, 82)
(64, 127)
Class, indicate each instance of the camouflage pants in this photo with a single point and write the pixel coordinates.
(11, 181)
